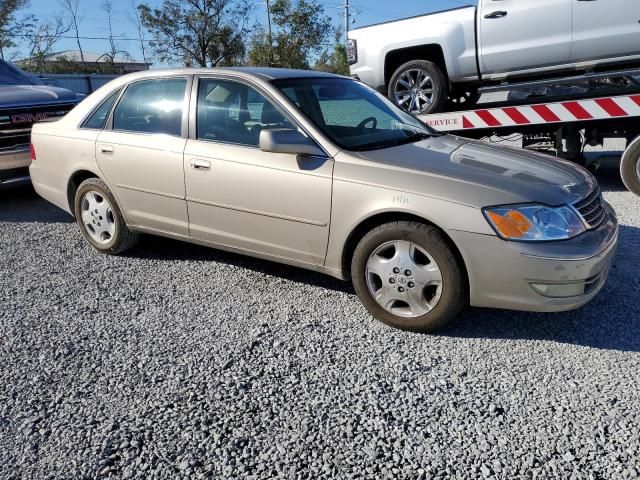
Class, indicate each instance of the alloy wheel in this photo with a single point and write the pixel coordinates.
(404, 278)
(97, 217)
(414, 90)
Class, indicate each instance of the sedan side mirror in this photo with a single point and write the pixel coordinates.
(284, 140)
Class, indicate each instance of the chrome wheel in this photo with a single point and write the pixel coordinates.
(97, 217)
(404, 279)
(414, 90)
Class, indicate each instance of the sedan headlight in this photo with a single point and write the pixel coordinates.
(533, 223)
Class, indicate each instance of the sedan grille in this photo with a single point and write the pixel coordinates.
(592, 208)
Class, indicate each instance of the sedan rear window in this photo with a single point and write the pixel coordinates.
(98, 118)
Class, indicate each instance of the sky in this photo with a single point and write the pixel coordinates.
(364, 12)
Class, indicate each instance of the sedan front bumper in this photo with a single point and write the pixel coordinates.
(540, 277)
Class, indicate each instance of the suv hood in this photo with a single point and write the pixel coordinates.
(523, 175)
(12, 96)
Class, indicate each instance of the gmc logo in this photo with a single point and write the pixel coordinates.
(29, 117)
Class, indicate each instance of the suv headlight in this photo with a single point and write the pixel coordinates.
(534, 223)
(352, 51)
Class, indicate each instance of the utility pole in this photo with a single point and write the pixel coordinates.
(347, 19)
(270, 59)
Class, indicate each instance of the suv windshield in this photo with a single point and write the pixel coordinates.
(354, 116)
(10, 75)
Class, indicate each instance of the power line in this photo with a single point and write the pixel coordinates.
(376, 10)
(122, 19)
(72, 37)
(107, 38)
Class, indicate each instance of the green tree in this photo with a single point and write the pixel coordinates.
(203, 33)
(300, 32)
(336, 61)
(9, 24)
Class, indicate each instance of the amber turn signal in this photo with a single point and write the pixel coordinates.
(513, 224)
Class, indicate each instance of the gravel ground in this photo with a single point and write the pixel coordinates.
(181, 361)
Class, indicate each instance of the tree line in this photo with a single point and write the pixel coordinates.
(192, 33)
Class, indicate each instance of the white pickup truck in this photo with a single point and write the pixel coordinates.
(420, 62)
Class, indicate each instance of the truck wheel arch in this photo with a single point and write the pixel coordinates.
(396, 58)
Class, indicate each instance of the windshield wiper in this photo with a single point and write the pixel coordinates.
(414, 137)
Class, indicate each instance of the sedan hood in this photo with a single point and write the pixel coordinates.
(12, 96)
(523, 176)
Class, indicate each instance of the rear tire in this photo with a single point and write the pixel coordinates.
(100, 219)
(420, 292)
(415, 82)
(630, 168)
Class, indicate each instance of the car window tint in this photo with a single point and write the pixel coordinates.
(354, 116)
(235, 113)
(293, 96)
(152, 106)
(348, 110)
(99, 117)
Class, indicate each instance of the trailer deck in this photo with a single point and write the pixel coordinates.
(561, 112)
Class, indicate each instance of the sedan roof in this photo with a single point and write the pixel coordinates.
(280, 73)
(260, 72)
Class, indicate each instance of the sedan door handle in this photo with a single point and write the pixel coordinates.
(198, 164)
(106, 149)
(497, 14)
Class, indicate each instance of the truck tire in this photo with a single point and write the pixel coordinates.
(630, 167)
(419, 87)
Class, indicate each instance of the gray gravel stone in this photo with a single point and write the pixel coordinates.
(177, 361)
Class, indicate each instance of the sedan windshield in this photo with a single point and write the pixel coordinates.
(354, 116)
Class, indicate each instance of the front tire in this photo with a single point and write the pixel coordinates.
(418, 87)
(100, 219)
(630, 168)
(408, 277)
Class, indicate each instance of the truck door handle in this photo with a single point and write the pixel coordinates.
(198, 164)
(106, 149)
(497, 14)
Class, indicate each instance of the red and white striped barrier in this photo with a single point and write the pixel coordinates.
(544, 113)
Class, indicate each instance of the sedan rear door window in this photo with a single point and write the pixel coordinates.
(152, 106)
